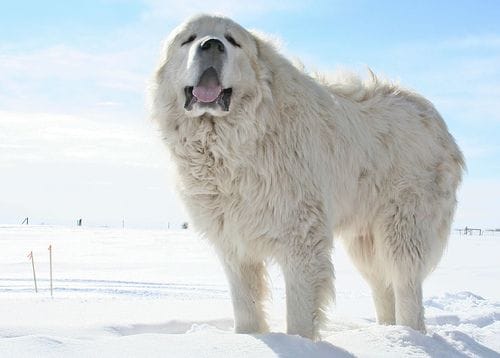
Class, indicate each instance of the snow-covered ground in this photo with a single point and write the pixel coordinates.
(131, 293)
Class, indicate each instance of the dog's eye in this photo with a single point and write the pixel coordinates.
(190, 39)
(232, 41)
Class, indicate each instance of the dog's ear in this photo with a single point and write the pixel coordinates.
(267, 46)
(267, 56)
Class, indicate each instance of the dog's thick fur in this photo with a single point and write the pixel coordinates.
(297, 160)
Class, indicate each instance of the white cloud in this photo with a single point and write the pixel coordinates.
(178, 10)
(108, 84)
(112, 69)
(27, 138)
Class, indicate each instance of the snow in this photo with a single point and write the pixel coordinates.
(139, 293)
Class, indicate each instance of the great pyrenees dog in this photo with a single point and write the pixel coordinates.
(273, 163)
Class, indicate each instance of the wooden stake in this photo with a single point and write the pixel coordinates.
(30, 256)
(50, 260)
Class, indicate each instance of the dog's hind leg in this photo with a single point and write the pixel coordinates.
(409, 308)
(363, 251)
(383, 298)
(248, 284)
(409, 255)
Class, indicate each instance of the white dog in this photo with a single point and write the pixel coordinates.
(272, 163)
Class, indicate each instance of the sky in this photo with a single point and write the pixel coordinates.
(76, 141)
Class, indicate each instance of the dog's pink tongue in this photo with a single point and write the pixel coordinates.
(207, 94)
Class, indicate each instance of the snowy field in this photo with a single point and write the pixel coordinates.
(131, 293)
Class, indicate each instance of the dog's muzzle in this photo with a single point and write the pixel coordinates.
(211, 54)
(208, 92)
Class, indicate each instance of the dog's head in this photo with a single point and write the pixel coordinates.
(209, 65)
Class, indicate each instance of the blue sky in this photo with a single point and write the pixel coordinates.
(74, 135)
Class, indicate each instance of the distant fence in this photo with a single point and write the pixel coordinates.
(80, 222)
(491, 232)
(469, 231)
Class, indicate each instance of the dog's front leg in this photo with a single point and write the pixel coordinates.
(247, 281)
(309, 277)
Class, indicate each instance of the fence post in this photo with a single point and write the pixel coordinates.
(30, 256)
(50, 260)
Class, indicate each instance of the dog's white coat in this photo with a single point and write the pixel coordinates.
(298, 160)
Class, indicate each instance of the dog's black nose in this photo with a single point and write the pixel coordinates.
(212, 44)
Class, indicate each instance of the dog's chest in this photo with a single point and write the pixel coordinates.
(207, 167)
(222, 186)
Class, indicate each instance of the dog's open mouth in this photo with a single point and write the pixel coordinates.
(208, 92)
